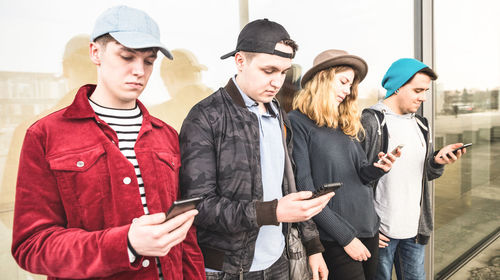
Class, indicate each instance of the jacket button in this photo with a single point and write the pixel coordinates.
(127, 180)
(80, 163)
(145, 263)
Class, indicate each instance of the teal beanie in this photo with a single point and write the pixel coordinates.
(399, 73)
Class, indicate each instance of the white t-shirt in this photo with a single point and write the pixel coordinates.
(398, 194)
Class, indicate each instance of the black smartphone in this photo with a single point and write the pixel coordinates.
(326, 188)
(394, 151)
(459, 148)
(181, 206)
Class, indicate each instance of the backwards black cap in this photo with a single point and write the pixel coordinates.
(261, 36)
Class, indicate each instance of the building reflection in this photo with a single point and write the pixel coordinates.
(466, 196)
(454, 102)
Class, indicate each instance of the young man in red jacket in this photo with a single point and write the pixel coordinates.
(96, 178)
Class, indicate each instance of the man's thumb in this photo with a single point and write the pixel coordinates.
(152, 219)
(303, 195)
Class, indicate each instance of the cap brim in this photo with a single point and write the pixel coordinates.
(229, 54)
(357, 63)
(201, 67)
(139, 40)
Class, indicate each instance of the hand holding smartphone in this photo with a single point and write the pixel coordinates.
(181, 206)
(326, 188)
(460, 148)
(394, 152)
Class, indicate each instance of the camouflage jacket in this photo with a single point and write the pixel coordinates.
(220, 159)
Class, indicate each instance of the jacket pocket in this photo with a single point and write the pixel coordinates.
(167, 170)
(173, 161)
(77, 161)
(81, 174)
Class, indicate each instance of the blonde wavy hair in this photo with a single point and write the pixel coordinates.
(317, 101)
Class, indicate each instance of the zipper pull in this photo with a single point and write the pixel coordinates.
(241, 273)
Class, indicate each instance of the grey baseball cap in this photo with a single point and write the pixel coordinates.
(131, 27)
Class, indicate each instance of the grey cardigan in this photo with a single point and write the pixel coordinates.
(376, 140)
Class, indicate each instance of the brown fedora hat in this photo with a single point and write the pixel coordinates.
(331, 58)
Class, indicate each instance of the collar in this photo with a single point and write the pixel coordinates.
(249, 102)
(81, 109)
(380, 106)
(388, 111)
(242, 100)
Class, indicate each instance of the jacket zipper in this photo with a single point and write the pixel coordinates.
(417, 239)
(241, 260)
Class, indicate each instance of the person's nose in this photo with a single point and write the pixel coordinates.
(347, 90)
(277, 81)
(422, 97)
(138, 68)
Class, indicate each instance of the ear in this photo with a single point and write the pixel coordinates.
(95, 53)
(240, 61)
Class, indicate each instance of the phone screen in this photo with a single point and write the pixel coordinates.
(181, 206)
(464, 146)
(394, 151)
(327, 188)
(459, 148)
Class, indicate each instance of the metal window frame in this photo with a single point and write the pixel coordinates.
(424, 51)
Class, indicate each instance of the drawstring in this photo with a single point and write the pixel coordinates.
(378, 124)
(417, 124)
(383, 123)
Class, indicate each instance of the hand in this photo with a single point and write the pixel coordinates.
(150, 235)
(382, 241)
(295, 207)
(318, 267)
(447, 156)
(387, 160)
(357, 251)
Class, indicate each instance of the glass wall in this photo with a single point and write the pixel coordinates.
(467, 60)
(45, 59)
(364, 28)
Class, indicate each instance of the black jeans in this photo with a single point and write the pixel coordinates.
(343, 267)
(277, 271)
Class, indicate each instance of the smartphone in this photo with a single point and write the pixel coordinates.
(181, 206)
(394, 151)
(459, 148)
(326, 188)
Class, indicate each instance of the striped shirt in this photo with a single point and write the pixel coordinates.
(127, 124)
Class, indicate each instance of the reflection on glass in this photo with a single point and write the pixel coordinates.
(26, 97)
(466, 104)
(34, 95)
(290, 87)
(359, 27)
(182, 78)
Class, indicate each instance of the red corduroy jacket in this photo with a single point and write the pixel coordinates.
(74, 203)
